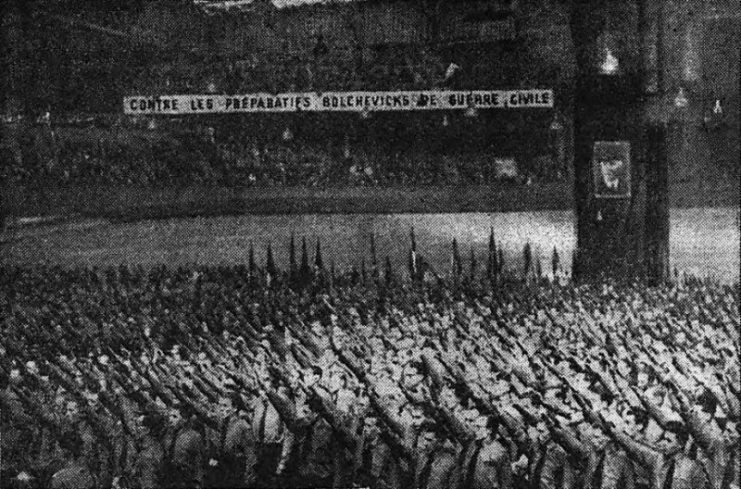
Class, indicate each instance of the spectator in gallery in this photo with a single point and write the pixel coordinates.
(320, 48)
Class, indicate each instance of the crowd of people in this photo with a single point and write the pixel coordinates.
(196, 156)
(252, 376)
(323, 68)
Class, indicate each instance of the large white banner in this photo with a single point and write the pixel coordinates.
(337, 102)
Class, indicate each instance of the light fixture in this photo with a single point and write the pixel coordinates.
(681, 101)
(446, 120)
(365, 114)
(714, 118)
(287, 134)
(152, 125)
(556, 124)
(211, 87)
(718, 108)
(471, 111)
(609, 64)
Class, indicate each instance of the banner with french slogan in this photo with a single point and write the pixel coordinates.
(338, 102)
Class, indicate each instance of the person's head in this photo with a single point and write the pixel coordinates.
(669, 441)
(417, 416)
(481, 426)
(708, 401)
(731, 427)
(303, 409)
(411, 377)
(337, 381)
(224, 407)
(370, 423)
(32, 367)
(657, 395)
(93, 399)
(71, 410)
(313, 376)
(428, 435)
(174, 416)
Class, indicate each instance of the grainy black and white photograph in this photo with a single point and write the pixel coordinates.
(382, 244)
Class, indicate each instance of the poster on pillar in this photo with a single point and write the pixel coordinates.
(611, 169)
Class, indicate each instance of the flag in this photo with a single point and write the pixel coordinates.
(555, 262)
(292, 258)
(332, 274)
(305, 270)
(374, 259)
(271, 269)
(492, 267)
(527, 258)
(251, 266)
(413, 266)
(318, 261)
(389, 272)
(500, 259)
(456, 265)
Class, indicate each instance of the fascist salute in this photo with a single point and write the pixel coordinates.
(221, 377)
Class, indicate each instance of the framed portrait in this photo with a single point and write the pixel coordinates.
(611, 169)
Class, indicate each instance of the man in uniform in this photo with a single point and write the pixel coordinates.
(233, 461)
(272, 438)
(375, 464)
(490, 466)
(436, 459)
(186, 453)
(550, 467)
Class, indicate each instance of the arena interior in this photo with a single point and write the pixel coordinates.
(318, 284)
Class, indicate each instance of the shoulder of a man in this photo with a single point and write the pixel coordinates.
(73, 478)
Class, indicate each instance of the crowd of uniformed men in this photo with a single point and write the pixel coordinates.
(243, 376)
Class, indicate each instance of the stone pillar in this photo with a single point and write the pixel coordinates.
(620, 157)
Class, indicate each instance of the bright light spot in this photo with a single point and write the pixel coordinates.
(556, 124)
(610, 65)
(718, 109)
(681, 99)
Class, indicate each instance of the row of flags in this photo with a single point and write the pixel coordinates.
(303, 270)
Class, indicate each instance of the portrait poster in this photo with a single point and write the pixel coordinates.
(611, 169)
